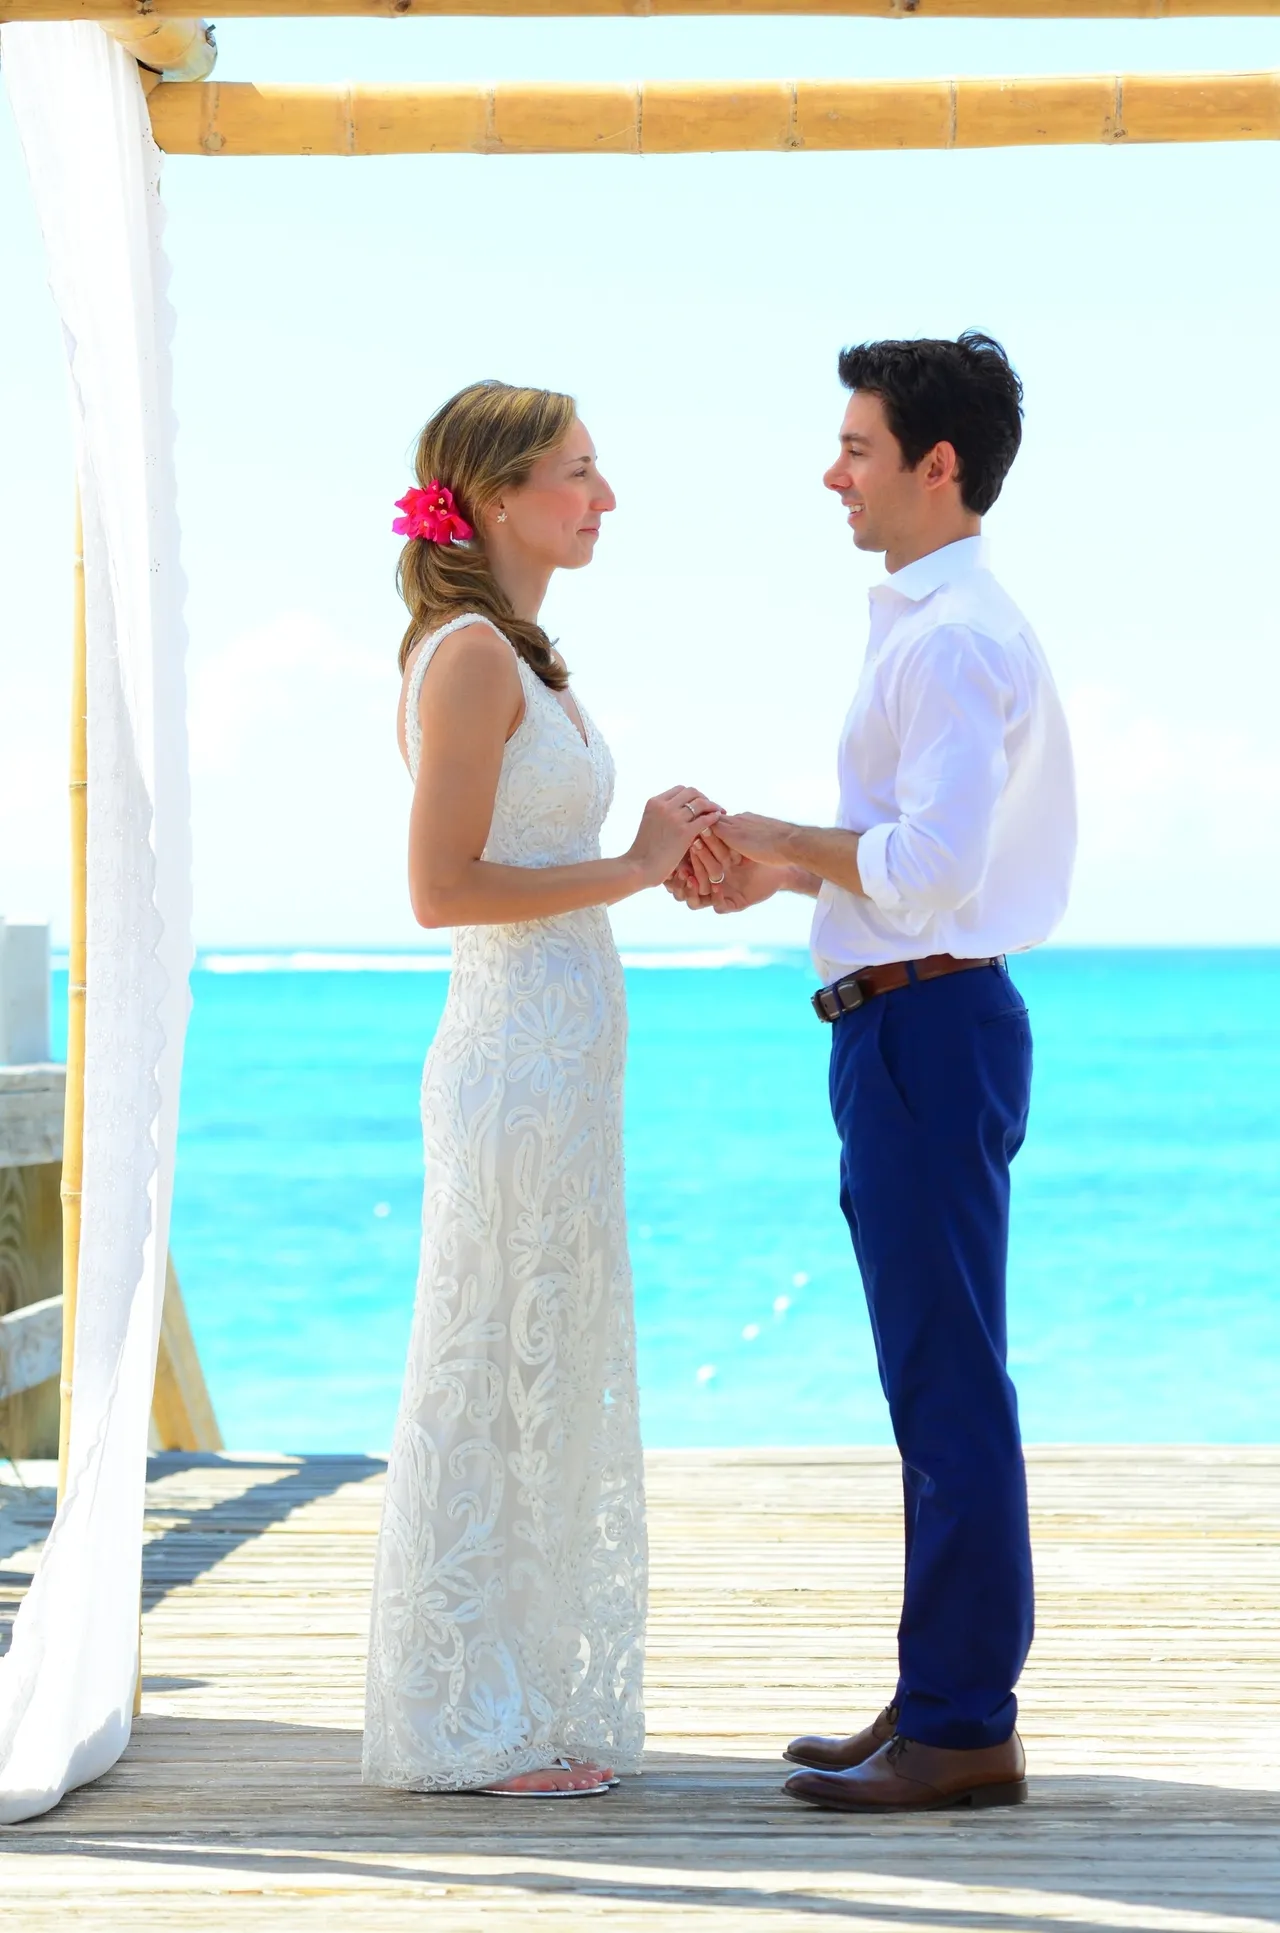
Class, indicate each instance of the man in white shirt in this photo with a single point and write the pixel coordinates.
(954, 847)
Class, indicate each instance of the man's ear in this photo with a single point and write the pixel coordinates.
(941, 466)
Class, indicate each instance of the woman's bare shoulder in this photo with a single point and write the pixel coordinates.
(472, 668)
(471, 661)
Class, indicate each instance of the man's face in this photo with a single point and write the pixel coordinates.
(883, 498)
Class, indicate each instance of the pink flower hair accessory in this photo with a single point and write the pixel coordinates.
(431, 515)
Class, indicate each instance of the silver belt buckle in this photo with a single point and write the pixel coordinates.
(841, 997)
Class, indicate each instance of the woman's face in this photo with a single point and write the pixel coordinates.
(554, 518)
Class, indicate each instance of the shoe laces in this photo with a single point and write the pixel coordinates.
(894, 1750)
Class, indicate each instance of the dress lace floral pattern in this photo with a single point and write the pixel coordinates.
(509, 1593)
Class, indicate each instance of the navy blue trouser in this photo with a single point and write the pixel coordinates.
(929, 1089)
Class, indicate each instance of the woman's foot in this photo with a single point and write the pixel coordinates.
(568, 1778)
(605, 1773)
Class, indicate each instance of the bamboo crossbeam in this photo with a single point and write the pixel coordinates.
(699, 117)
(870, 9)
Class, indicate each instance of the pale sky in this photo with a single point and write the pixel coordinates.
(695, 305)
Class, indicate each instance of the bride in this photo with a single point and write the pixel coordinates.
(506, 1643)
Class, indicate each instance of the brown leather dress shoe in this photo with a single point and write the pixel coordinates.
(838, 1754)
(904, 1776)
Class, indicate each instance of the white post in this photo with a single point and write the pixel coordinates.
(24, 993)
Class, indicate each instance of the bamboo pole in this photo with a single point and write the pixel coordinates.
(73, 1117)
(182, 1413)
(180, 49)
(703, 117)
(871, 9)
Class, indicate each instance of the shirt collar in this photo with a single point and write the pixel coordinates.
(929, 573)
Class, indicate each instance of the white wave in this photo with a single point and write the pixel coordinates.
(314, 961)
(324, 962)
(700, 957)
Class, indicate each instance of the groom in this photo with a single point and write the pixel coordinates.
(954, 847)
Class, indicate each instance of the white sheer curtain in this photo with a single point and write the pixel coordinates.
(66, 1685)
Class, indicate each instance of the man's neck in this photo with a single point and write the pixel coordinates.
(909, 550)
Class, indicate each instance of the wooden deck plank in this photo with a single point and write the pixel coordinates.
(1151, 1711)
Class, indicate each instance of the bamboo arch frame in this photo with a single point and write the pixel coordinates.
(191, 116)
(73, 1117)
(151, 10)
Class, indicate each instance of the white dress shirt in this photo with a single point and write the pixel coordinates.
(955, 766)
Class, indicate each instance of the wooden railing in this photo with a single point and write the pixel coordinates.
(31, 1107)
(31, 1125)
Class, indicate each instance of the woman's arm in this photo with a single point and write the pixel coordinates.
(470, 705)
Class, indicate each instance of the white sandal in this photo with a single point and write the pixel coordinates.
(569, 1792)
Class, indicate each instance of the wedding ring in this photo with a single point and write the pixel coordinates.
(718, 880)
(691, 808)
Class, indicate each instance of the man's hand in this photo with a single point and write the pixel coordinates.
(811, 854)
(751, 836)
(747, 883)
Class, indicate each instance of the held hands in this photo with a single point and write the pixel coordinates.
(668, 827)
(714, 873)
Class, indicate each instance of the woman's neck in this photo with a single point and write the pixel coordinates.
(523, 582)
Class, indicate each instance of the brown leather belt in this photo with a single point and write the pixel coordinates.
(855, 989)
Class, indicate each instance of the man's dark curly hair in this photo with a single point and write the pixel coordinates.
(965, 393)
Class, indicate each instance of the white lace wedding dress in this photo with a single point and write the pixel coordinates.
(510, 1585)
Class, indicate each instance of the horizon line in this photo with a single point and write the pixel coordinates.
(745, 953)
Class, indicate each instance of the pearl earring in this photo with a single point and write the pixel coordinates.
(502, 516)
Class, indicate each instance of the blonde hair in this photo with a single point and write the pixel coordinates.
(484, 440)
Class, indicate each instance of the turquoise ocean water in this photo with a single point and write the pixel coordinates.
(1145, 1268)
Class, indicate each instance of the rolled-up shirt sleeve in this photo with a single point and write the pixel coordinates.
(950, 704)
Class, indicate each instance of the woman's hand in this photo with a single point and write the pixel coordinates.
(668, 827)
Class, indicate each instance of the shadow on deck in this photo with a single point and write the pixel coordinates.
(1151, 1711)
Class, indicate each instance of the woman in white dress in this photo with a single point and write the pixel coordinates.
(506, 1643)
